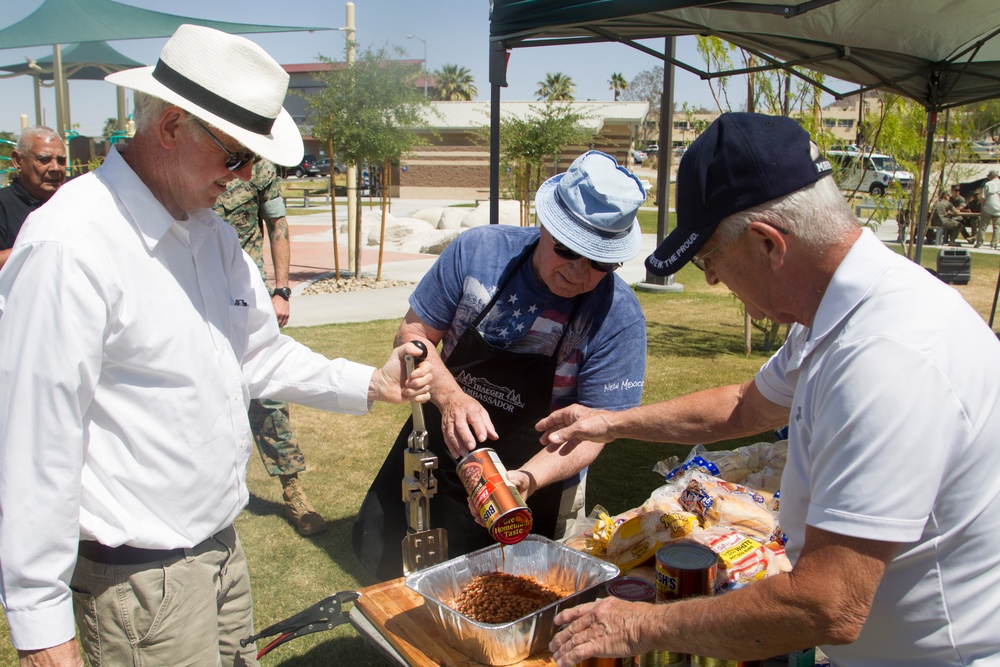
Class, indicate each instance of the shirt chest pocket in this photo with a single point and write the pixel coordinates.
(238, 328)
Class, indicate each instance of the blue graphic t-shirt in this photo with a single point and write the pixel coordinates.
(602, 357)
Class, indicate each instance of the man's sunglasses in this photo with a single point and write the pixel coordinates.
(571, 255)
(237, 159)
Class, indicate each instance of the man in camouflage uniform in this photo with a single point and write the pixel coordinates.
(248, 206)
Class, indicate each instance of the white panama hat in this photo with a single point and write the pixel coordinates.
(591, 208)
(226, 81)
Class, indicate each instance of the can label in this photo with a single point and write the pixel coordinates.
(498, 502)
(684, 569)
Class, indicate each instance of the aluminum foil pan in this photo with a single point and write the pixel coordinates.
(549, 562)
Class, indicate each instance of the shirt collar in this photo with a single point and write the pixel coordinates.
(854, 278)
(24, 194)
(149, 216)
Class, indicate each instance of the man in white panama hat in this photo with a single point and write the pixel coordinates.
(529, 319)
(135, 332)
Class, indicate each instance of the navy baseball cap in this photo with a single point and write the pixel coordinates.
(740, 161)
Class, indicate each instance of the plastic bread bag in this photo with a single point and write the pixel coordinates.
(718, 502)
(733, 465)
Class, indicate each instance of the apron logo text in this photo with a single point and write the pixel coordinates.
(486, 392)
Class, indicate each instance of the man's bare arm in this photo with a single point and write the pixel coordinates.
(712, 415)
(281, 257)
(465, 423)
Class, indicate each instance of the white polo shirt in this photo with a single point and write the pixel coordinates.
(894, 435)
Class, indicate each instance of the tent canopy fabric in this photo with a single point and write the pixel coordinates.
(90, 61)
(69, 21)
(941, 53)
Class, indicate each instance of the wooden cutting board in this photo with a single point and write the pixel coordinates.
(399, 615)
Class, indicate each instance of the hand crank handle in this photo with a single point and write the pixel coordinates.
(411, 363)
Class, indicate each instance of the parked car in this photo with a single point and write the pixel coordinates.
(868, 172)
(652, 149)
(638, 156)
(305, 168)
(323, 167)
(985, 151)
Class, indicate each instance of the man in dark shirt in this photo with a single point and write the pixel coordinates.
(40, 161)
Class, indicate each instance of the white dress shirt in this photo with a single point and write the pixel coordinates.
(131, 346)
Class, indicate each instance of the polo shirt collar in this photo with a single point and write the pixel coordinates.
(866, 261)
(23, 194)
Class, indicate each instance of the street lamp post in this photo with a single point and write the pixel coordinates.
(424, 42)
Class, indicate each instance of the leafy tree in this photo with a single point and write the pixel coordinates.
(530, 143)
(454, 84)
(617, 83)
(646, 86)
(368, 111)
(110, 127)
(557, 87)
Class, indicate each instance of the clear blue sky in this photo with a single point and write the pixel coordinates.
(455, 31)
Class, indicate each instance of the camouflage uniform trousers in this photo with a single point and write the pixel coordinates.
(275, 439)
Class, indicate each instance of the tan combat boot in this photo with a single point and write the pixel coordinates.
(303, 516)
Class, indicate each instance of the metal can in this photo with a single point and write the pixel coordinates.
(701, 661)
(498, 502)
(683, 570)
(605, 662)
(631, 589)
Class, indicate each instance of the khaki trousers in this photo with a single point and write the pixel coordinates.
(186, 610)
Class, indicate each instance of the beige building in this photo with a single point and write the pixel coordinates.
(455, 162)
(840, 119)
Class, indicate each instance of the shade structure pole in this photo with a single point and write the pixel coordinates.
(38, 100)
(498, 78)
(925, 184)
(122, 109)
(665, 154)
(57, 73)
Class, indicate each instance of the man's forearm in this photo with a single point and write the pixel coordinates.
(712, 415)
(281, 250)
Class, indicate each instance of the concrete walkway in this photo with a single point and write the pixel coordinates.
(312, 258)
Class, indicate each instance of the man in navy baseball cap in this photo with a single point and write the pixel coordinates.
(890, 500)
(740, 161)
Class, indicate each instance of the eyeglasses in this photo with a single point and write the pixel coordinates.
(45, 159)
(566, 253)
(237, 159)
(699, 260)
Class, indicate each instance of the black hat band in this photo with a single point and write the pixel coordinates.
(206, 99)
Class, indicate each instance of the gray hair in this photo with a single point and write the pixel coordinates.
(818, 215)
(29, 134)
(148, 109)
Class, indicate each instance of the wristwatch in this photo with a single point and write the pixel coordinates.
(284, 292)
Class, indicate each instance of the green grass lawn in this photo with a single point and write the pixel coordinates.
(695, 341)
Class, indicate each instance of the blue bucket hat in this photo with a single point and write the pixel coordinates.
(740, 161)
(591, 208)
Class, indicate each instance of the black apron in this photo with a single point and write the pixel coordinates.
(381, 523)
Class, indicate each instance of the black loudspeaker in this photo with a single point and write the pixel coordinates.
(954, 266)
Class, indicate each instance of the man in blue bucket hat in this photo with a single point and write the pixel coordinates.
(890, 497)
(529, 319)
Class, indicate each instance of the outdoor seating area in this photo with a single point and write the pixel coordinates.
(307, 194)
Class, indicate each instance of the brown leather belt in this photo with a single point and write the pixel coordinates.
(125, 554)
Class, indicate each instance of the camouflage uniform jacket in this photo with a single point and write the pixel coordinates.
(245, 205)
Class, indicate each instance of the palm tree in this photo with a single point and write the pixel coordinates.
(453, 84)
(556, 88)
(618, 84)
